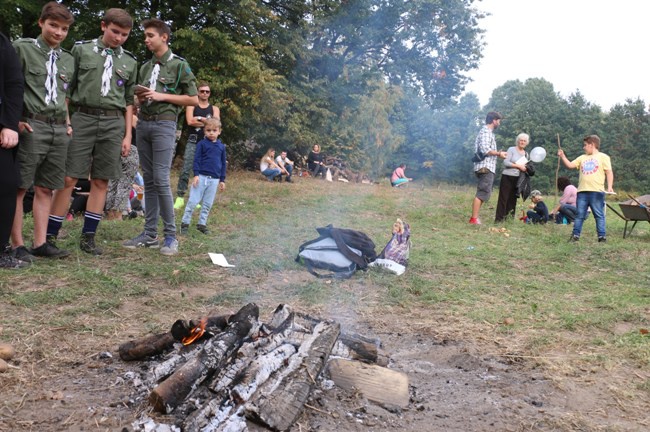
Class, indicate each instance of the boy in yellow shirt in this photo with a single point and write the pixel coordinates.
(595, 167)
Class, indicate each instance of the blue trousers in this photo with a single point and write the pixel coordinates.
(204, 193)
(596, 202)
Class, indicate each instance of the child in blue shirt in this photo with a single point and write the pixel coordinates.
(209, 174)
(539, 211)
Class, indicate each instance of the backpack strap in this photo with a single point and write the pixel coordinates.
(345, 250)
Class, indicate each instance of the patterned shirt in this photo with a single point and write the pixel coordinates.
(486, 141)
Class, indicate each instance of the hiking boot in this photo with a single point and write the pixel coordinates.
(203, 229)
(602, 239)
(574, 238)
(8, 261)
(288, 180)
(87, 244)
(49, 250)
(179, 203)
(170, 246)
(22, 253)
(184, 228)
(474, 221)
(143, 240)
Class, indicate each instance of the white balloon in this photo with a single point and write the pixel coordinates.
(537, 154)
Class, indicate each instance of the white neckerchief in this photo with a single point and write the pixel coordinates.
(108, 71)
(154, 76)
(50, 82)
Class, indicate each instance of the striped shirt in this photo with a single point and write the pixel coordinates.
(486, 141)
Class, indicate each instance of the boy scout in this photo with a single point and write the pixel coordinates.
(167, 84)
(101, 96)
(45, 127)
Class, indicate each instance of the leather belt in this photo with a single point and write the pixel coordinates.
(45, 119)
(100, 112)
(157, 117)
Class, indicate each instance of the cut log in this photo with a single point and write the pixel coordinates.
(377, 383)
(146, 347)
(159, 343)
(279, 405)
(214, 354)
(348, 347)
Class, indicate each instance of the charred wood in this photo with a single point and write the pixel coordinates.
(214, 354)
(146, 347)
(280, 403)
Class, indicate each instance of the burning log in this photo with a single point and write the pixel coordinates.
(159, 343)
(214, 354)
(146, 347)
(280, 404)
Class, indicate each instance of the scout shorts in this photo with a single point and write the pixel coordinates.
(96, 147)
(42, 155)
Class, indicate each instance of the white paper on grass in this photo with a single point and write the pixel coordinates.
(219, 259)
(389, 265)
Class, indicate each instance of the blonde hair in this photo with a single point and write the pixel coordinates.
(267, 155)
(214, 122)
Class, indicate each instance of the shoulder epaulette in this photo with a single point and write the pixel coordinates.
(25, 40)
(180, 58)
(130, 54)
(83, 42)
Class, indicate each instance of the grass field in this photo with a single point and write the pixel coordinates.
(526, 294)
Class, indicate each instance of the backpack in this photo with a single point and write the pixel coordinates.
(338, 250)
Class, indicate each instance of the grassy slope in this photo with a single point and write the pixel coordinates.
(529, 294)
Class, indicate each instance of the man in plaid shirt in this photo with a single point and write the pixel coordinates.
(485, 169)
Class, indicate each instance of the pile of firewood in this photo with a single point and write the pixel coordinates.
(220, 372)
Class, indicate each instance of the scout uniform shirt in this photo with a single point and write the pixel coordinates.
(47, 74)
(104, 77)
(168, 74)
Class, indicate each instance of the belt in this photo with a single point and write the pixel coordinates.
(100, 112)
(45, 119)
(158, 117)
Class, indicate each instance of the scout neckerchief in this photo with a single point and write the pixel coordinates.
(107, 75)
(50, 81)
(156, 71)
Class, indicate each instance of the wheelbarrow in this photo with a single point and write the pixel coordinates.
(634, 210)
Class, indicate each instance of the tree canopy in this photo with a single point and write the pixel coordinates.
(375, 82)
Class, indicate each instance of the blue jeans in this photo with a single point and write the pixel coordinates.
(568, 211)
(271, 173)
(595, 201)
(204, 193)
(289, 169)
(156, 141)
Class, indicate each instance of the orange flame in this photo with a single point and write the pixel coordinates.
(196, 332)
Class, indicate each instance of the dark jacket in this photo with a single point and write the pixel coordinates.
(12, 86)
(210, 159)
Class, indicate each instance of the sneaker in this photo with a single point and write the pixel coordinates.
(184, 228)
(475, 221)
(143, 240)
(49, 250)
(179, 203)
(602, 239)
(198, 206)
(574, 238)
(203, 229)
(87, 244)
(170, 246)
(69, 217)
(8, 261)
(288, 180)
(22, 253)
(51, 239)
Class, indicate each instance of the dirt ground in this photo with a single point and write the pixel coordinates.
(76, 382)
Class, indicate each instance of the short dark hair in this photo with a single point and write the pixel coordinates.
(118, 17)
(56, 11)
(491, 116)
(593, 139)
(562, 183)
(160, 26)
(202, 84)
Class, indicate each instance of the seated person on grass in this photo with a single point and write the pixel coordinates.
(268, 167)
(285, 164)
(539, 212)
(399, 178)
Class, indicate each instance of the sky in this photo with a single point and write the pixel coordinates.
(598, 47)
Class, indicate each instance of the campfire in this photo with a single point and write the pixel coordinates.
(226, 372)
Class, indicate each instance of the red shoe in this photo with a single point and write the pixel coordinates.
(69, 217)
(475, 221)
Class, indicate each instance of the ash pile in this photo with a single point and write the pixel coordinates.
(236, 373)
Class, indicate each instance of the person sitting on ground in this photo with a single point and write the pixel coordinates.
(539, 212)
(566, 209)
(315, 162)
(209, 175)
(268, 167)
(285, 164)
(399, 178)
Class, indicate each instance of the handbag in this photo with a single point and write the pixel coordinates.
(478, 156)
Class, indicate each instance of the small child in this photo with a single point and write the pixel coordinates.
(209, 174)
(539, 212)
